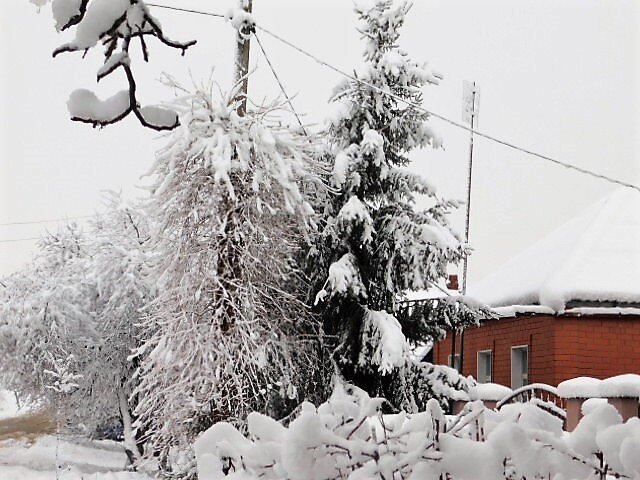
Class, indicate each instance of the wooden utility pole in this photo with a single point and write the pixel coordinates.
(230, 265)
(243, 44)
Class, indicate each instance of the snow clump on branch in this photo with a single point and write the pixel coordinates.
(114, 24)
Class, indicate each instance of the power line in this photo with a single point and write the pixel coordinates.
(279, 82)
(355, 79)
(445, 119)
(50, 220)
(414, 105)
(12, 240)
(186, 10)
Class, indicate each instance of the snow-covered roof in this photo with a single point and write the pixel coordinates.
(592, 260)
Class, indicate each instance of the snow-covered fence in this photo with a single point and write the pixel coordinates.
(490, 394)
(566, 401)
(348, 438)
(622, 391)
(542, 395)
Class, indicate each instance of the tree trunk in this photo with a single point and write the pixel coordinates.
(130, 445)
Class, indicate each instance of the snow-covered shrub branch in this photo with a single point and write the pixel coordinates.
(349, 438)
(229, 331)
(429, 320)
(115, 24)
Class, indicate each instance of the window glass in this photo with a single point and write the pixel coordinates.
(484, 366)
(519, 366)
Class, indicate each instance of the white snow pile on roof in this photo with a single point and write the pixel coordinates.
(595, 257)
(627, 385)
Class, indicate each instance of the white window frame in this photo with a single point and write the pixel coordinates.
(524, 378)
(457, 367)
(478, 354)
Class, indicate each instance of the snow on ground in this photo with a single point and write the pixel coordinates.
(50, 457)
(53, 458)
(8, 404)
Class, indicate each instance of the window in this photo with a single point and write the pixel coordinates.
(519, 366)
(456, 363)
(485, 358)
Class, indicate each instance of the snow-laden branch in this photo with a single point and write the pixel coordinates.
(114, 24)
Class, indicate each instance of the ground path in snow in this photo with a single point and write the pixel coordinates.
(30, 425)
(31, 450)
(27, 454)
(56, 458)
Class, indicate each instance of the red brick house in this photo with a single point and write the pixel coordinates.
(568, 306)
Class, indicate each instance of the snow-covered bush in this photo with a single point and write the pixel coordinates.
(374, 245)
(349, 438)
(228, 332)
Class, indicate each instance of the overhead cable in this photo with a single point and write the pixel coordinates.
(49, 220)
(186, 10)
(411, 104)
(445, 119)
(279, 82)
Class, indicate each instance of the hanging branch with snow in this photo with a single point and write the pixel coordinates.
(115, 24)
(229, 331)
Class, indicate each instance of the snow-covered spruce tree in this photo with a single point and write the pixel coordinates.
(228, 332)
(69, 322)
(375, 245)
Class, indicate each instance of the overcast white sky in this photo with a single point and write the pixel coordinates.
(558, 77)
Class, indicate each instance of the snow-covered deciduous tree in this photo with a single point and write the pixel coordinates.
(374, 244)
(44, 317)
(116, 25)
(229, 331)
(69, 320)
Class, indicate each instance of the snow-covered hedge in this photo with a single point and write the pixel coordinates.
(348, 438)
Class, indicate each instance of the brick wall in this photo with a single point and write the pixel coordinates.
(499, 336)
(597, 346)
(559, 347)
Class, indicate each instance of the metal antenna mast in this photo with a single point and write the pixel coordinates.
(470, 104)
